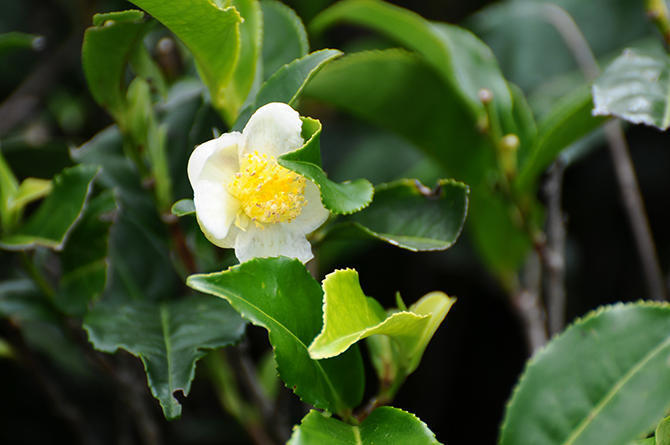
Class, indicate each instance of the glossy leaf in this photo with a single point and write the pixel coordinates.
(183, 207)
(350, 316)
(568, 121)
(287, 83)
(168, 337)
(462, 60)
(105, 52)
(385, 425)
(280, 295)
(8, 187)
(84, 260)
(54, 219)
(635, 87)
(210, 32)
(409, 215)
(340, 198)
(600, 381)
(284, 36)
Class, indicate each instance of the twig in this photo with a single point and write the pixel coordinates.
(529, 308)
(634, 206)
(553, 254)
(657, 11)
(618, 147)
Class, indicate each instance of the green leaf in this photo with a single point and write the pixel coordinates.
(51, 223)
(183, 207)
(84, 260)
(245, 72)
(284, 36)
(567, 122)
(105, 52)
(287, 83)
(385, 425)
(340, 198)
(210, 32)
(462, 60)
(349, 316)
(635, 87)
(409, 215)
(31, 189)
(431, 116)
(662, 434)
(280, 295)
(168, 337)
(606, 379)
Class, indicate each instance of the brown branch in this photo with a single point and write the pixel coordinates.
(553, 254)
(528, 306)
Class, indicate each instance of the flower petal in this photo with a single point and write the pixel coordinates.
(274, 129)
(216, 210)
(215, 160)
(313, 215)
(274, 240)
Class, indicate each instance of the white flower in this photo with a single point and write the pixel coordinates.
(245, 200)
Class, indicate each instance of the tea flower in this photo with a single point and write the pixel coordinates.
(245, 200)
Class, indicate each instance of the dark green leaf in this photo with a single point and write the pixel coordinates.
(287, 83)
(280, 295)
(635, 87)
(409, 215)
(84, 260)
(341, 198)
(385, 425)
(606, 379)
(210, 32)
(463, 61)
(54, 219)
(168, 337)
(284, 36)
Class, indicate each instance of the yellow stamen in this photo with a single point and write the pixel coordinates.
(268, 193)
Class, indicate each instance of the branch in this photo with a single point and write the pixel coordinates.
(553, 253)
(528, 306)
(618, 147)
(657, 11)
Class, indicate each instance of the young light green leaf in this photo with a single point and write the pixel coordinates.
(574, 391)
(284, 36)
(409, 215)
(105, 52)
(183, 207)
(662, 434)
(210, 32)
(463, 61)
(31, 189)
(287, 83)
(8, 188)
(385, 425)
(635, 87)
(51, 223)
(84, 261)
(350, 316)
(340, 198)
(280, 295)
(168, 337)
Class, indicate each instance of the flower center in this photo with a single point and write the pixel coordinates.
(268, 192)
